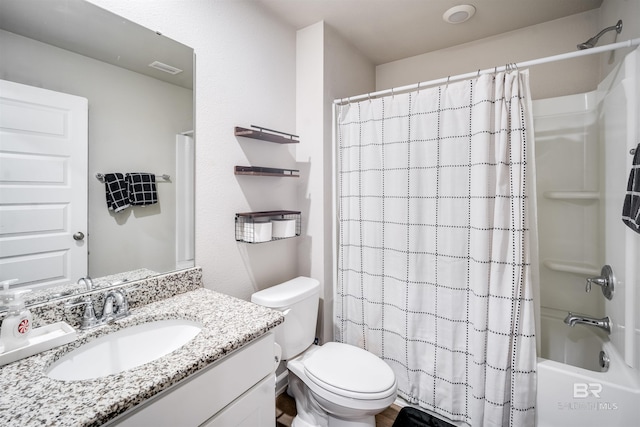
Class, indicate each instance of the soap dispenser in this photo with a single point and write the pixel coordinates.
(17, 322)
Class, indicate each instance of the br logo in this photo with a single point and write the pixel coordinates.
(584, 390)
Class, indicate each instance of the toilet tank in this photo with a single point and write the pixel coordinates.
(298, 300)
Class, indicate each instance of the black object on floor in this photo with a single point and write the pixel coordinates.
(411, 417)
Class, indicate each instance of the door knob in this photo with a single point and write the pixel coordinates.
(78, 236)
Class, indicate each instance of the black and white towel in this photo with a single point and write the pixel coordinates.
(631, 208)
(142, 188)
(117, 191)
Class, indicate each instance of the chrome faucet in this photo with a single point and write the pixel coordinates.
(88, 283)
(115, 306)
(604, 323)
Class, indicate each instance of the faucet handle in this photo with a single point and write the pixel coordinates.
(89, 318)
(598, 280)
(115, 304)
(606, 281)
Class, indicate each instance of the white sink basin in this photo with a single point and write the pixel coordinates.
(124, 349)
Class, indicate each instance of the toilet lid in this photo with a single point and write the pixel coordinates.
(350, 368)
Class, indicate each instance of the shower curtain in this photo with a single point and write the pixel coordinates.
(434, 249)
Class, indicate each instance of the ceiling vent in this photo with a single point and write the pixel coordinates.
(164, 67)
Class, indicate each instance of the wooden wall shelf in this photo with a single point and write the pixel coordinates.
(263, 171)
(269, 136)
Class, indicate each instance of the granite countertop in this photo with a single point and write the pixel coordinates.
(29, 398)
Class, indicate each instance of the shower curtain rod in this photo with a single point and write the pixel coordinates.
(554, 58)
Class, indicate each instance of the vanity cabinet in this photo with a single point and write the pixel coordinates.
(237, 390)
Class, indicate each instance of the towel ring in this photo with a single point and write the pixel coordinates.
(632, 151)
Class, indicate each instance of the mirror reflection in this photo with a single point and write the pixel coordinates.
(139, 119)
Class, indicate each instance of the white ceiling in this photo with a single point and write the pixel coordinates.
(388, 30)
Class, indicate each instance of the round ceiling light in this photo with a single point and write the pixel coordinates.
(459, 14)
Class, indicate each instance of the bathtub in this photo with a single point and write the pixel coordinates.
(573, 388)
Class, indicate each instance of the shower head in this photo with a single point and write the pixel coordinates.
(593, 40)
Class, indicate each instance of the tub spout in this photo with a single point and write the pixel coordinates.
(604, 323)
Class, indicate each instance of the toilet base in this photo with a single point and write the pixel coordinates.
(309, 413)
(312, 412)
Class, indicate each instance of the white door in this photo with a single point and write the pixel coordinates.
(43, 185)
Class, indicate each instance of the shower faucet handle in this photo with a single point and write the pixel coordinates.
(606, 281)
(599, 280)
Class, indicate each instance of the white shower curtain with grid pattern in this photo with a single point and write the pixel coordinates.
(434, 263)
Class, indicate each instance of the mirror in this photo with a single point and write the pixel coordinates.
(140, 120)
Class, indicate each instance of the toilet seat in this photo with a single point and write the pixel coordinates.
(350, 371)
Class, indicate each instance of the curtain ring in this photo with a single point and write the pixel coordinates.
(448, 78)
(478, 73)
(418, 87)
(369, 96)
(393, 95)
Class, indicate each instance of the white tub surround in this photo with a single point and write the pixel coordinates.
(583, 144)
(572, 387)
(30, 398)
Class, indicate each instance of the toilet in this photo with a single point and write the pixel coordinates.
(335, 384)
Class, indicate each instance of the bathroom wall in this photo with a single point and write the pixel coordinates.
(133, 120)
(567, 160)
(537, 41)
(610, 12)
(245, 74)
(251, 69)
(550, 38)
(327, 67)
